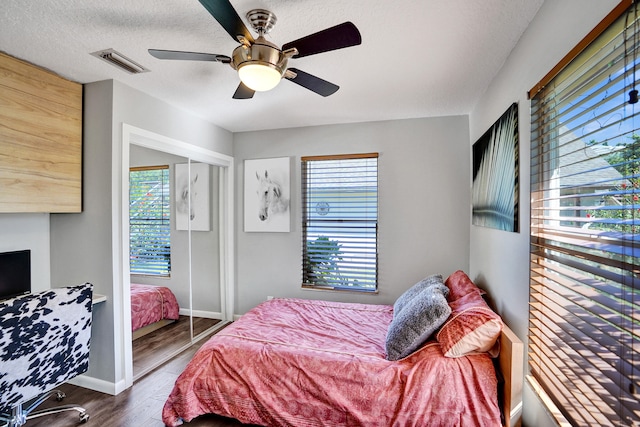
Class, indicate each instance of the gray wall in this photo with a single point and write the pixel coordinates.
(500, 260)
(423, 179)
(82, 243)
(81, 249)
(29, 231)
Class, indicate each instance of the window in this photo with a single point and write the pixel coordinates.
(340, 222)
(149, 221)
(584, 321)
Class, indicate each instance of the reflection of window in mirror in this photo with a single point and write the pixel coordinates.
(149, 221)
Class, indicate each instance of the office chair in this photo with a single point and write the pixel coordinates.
(44, 342)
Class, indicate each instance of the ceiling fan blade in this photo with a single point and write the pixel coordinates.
(189, 56)
(338, 37)
(226, 15)
(243, 92)
(313, 83)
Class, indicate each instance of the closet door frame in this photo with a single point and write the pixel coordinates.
(147, 139)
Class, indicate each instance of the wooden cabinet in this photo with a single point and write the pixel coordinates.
(40, 140)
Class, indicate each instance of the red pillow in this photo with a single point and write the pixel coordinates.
(460, 285)
(471, 328)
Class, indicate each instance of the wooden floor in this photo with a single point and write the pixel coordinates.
(158, 346)
(139, 406)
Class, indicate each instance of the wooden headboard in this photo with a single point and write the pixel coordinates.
(511, 364)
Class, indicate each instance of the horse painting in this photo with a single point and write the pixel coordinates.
(271, 199)
(267, 195)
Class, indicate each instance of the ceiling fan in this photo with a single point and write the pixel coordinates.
(261, 64)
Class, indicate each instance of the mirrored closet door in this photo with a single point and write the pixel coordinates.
(175, 254)
(205, 247)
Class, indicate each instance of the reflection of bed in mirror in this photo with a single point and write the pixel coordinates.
(152, 307)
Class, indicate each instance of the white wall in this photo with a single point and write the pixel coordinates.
(424, 216)
(500, 260)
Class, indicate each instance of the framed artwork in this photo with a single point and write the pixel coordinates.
(495, 192)
(266, 195)
(192, 197)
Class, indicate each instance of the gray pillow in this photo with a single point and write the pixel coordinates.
(411, 293)
(417, 321)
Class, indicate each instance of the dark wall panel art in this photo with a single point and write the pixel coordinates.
(495, 174)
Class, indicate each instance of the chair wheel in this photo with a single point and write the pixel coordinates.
(84, 417)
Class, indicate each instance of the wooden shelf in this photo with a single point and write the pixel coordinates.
(97, 298)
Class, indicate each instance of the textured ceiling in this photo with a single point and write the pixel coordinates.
(418, 58)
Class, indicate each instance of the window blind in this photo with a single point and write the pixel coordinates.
(340, 222)
(584, 322)
(149, 221)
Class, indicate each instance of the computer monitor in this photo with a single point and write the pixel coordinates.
(15, 273)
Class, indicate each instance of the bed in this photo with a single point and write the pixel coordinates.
(151, 308)
(295, 362)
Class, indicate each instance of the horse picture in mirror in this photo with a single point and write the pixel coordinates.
(192, 197)
(186, 196)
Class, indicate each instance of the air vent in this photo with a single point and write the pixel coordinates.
(119, 60)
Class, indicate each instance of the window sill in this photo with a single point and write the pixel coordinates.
(549, 406)
(335, 289)
(152, 276)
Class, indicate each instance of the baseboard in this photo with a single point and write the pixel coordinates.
(207, 314)
(201, 313)
(97, 384)
(139, 333)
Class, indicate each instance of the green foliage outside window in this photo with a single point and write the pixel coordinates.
(624, 200)
(149, 222)
(322, 258)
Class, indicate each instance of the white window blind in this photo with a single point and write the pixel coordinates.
(149, 221)
(584, 323)
(340, 222)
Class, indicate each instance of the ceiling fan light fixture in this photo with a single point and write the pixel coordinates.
(259, 77)
(261, 64)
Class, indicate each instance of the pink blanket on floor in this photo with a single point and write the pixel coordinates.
(300, 363)
(150, 304)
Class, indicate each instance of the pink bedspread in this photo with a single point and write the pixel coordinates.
(291, 362)
(150, 304)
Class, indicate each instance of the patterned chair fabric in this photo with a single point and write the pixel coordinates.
(44, 341)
